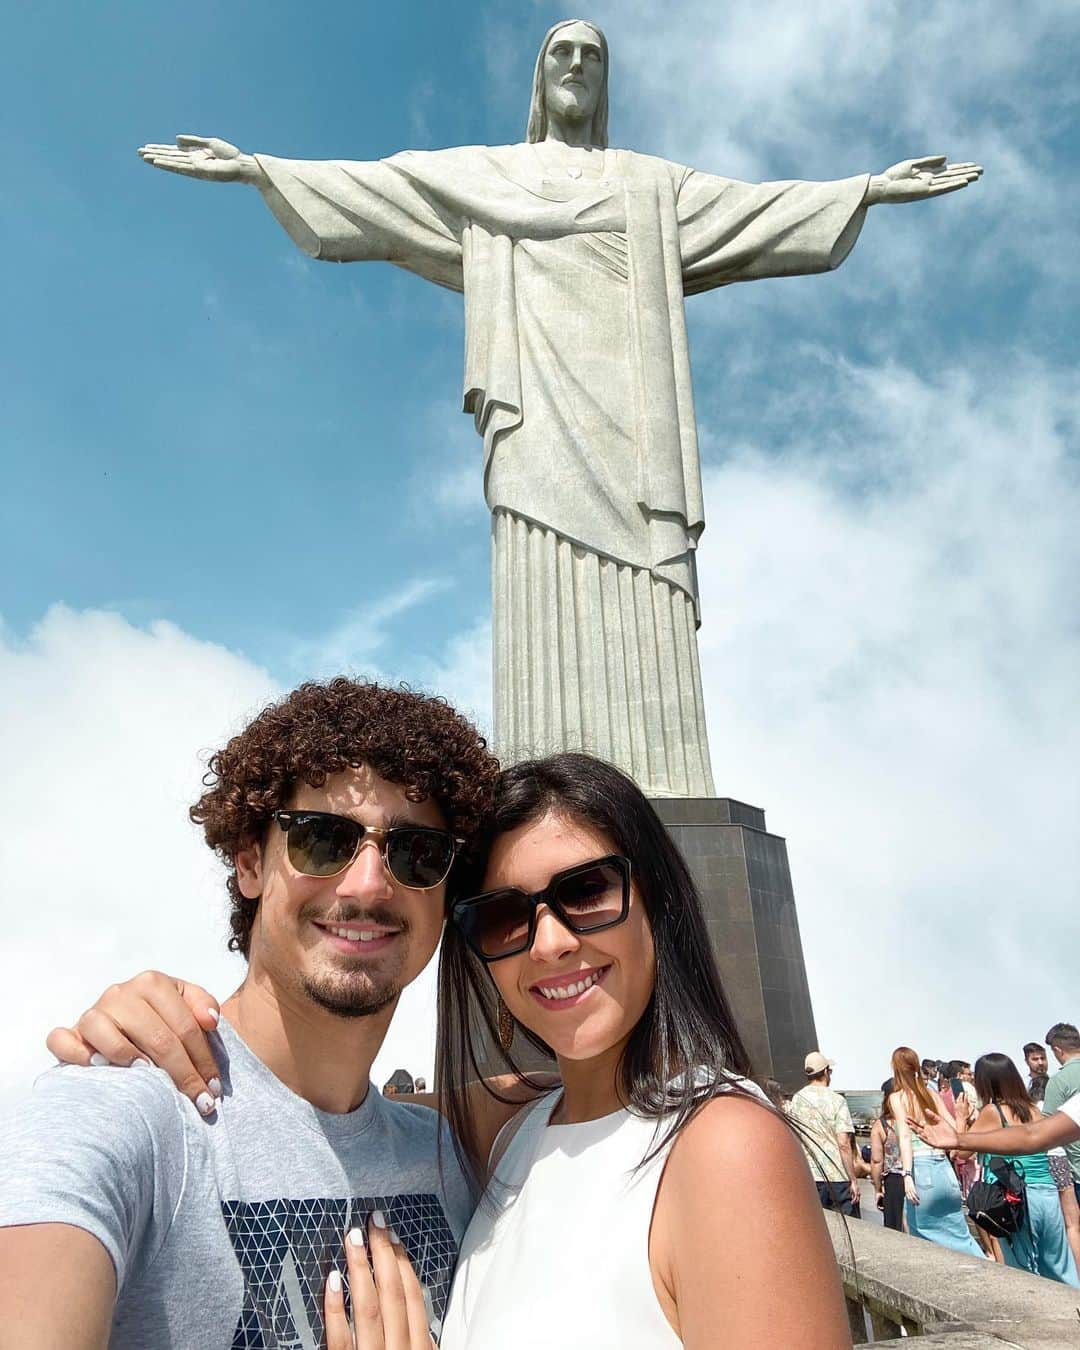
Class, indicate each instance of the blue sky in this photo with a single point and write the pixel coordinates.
(227, 467)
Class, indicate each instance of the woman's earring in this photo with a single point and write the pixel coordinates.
(506, 1027)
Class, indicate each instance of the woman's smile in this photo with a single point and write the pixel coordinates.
(568, 990)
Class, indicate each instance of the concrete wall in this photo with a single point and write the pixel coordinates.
(892, 1280)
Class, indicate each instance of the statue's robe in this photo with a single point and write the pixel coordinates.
(578, 376)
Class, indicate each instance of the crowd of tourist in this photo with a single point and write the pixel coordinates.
(1007, 1201)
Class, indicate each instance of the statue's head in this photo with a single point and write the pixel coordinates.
(571, 80)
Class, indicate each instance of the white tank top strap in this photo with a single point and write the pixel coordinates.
(529, 1121)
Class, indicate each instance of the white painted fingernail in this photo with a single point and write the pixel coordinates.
(214, 1084)
(139, 1062)
(98, 1061)
(394, 1237)
(215, 1017)
(335, 1281)
(378, 1218)
(356, 1237)
(204, 1104)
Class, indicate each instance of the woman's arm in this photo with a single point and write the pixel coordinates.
(165, 1020)
(738, 1238)
(898, 1111)
(877, 1154)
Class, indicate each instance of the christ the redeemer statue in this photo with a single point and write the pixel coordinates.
(574, 259)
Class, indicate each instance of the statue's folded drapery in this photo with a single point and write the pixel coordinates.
(577, 373)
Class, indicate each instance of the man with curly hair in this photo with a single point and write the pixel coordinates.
(132, 1216)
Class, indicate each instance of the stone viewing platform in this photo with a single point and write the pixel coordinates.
(896, 1284)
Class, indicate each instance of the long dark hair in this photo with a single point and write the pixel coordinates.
(688, 1021)
(998, 1080)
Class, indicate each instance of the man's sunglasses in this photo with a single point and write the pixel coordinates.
(585, 899)
(322, 845)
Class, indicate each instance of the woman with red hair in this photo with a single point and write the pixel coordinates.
(933, 1205)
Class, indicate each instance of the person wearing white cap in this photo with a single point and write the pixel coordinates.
(829, 1131)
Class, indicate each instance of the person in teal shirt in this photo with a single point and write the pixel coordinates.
(1064, 1042)
(1041, 1245)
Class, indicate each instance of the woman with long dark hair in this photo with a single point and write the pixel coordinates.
(1041, 1245)
(622, 1195)
(933, 1206)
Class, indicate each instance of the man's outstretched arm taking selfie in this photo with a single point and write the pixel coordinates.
(94, 1166)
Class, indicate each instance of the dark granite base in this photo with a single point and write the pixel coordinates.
(745, 882)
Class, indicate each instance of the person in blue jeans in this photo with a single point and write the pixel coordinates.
(1041, 1245)
(934, 1208)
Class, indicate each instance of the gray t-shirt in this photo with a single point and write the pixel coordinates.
(222, 1233)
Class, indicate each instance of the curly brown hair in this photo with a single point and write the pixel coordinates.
(320, 729)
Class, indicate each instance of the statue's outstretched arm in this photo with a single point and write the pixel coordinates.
(914, 180)
(205, 157)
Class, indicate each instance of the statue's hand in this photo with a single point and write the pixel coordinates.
(913, 180)
(203, 157)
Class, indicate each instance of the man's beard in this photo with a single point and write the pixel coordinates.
(356, 993)
(343, 998)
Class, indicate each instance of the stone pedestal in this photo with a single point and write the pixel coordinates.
(742, 873)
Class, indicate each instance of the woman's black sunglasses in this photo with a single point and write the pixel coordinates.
(585, 899)
(320, 844)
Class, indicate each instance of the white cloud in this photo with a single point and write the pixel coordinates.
(891, 653)
(105, 727)
(449, 478)
(462, 674)
(359, 640)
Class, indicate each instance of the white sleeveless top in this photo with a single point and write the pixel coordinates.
(558, 1253)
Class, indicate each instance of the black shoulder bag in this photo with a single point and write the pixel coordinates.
(998, 1201)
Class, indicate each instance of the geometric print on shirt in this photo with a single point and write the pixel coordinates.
(287, 1248)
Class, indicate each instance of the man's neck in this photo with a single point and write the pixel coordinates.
(323, 1058)
(1069, 1057)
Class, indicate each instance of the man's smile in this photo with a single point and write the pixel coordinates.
(358, 936)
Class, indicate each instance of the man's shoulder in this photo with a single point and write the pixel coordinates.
(120, 1100)
(807, 1099)
(1063, 1084)
(412, 1121)
(102, 1149)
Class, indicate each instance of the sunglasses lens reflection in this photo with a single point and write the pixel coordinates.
(319, 846)
(419, 858)
(498, 925)
(323, 845)
(592, 898)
